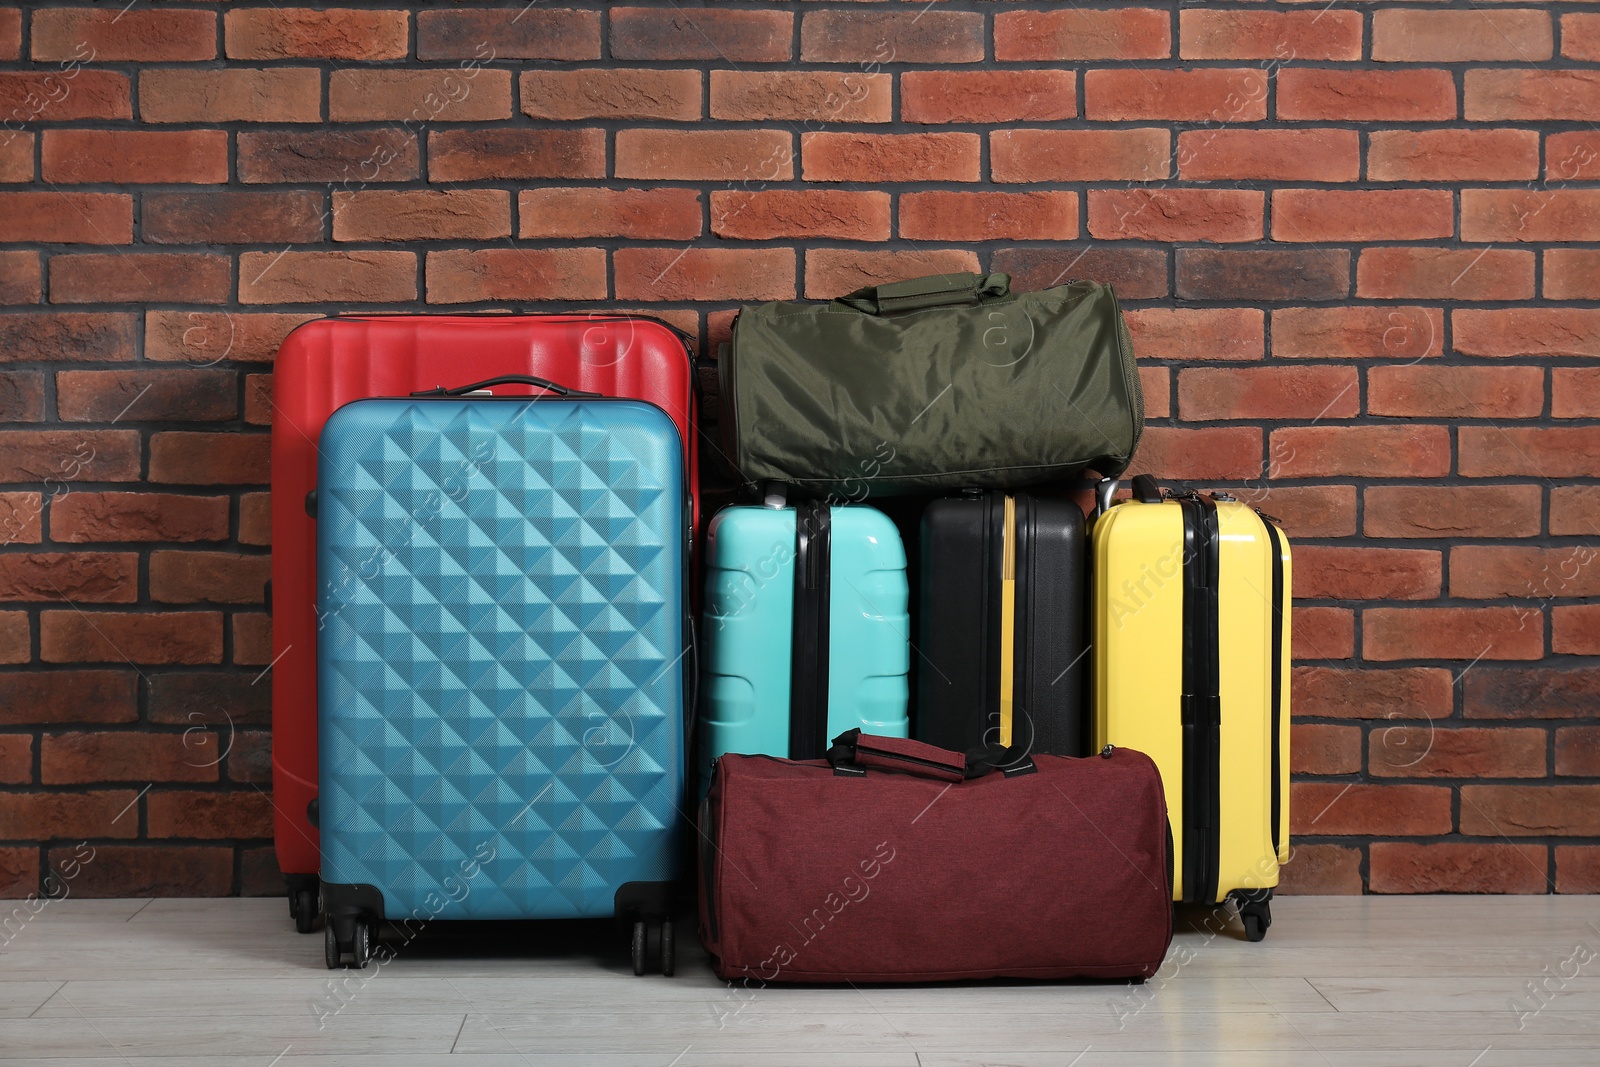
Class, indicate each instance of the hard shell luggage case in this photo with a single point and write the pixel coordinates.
(907, 864)
(1002, 624)
(806, 629)
(330, 362)
(503, 664)
(1191, 614)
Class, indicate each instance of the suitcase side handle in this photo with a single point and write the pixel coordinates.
(506, 379)
(936, 290)
(854, 753)
(1146, 490)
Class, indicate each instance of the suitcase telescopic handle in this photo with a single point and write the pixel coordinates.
(506, 379)
(854, 753)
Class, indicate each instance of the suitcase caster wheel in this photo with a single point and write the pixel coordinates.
(667, 953)
(330, 948)
(1256, 918)
(361, 944)
(640, 940)
(303, 906)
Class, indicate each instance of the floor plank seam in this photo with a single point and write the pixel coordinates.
(47, 1000)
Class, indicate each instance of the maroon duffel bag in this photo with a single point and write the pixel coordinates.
(892, 861)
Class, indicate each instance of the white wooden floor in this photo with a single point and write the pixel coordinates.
(1339, 982)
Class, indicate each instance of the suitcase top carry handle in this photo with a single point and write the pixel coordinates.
(938, 290)
(1146, 490)
(506, 379)
(854, 752)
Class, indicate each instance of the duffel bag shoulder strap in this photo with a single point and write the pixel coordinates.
(936, 290)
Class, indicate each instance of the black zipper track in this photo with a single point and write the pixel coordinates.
(808, 664)
(1275, 540)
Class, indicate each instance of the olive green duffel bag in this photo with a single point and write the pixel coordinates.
(931, 384)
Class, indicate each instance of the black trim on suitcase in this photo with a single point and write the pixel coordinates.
(1275, 539)
(1023, 731)
(351, 901)
(1212, 704)
(808, 665)
(644, 900)
(1193, 583)
(1202, 706)
(993, 565)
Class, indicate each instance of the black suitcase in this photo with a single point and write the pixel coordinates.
(1002, 624)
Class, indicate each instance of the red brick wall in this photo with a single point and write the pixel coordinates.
(1360, 248)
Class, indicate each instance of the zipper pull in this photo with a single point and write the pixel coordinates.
(1105, 753)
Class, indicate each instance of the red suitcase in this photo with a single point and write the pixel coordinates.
(900, 863)
(330, 362)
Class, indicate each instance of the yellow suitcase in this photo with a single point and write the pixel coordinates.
(1190, 625)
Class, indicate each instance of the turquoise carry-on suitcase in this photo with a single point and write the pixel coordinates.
(806, 630)
(503, 663)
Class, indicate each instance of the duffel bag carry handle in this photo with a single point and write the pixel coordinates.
(854, 752)
(1146, 490)
(937, 290)
(506, 379)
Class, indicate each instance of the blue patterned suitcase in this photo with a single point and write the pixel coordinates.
(501, 664)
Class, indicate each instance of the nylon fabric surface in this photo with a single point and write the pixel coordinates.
(891, 877)
(1019, 389)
